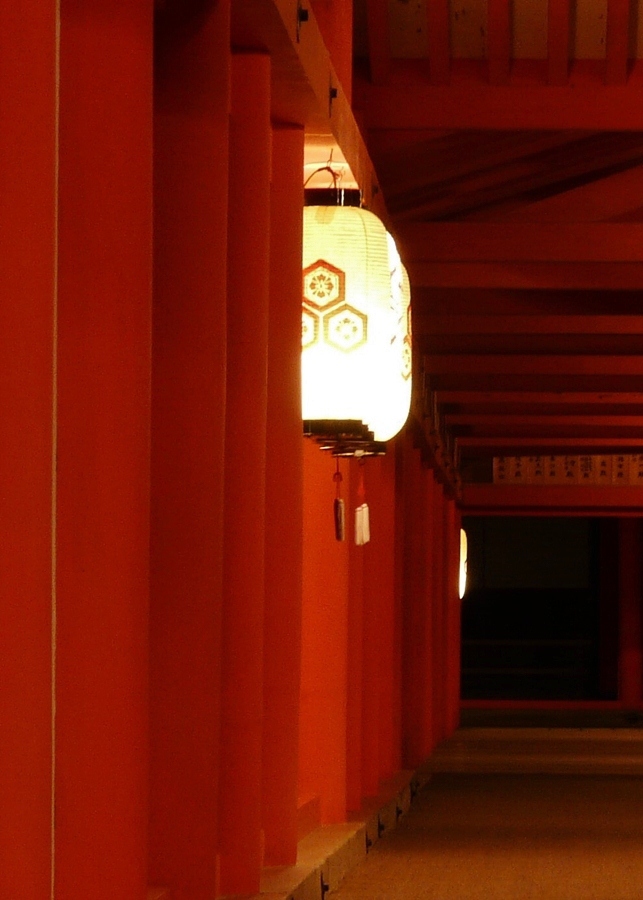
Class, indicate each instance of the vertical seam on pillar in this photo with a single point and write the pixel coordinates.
(54, 446)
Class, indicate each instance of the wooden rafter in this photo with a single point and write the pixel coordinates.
(409, 102)
(480, 180)
(525, 275)
(534, 365)
(484, 242)
(558, 35)
(379, 51)
(499, 40)
(616, 50)
(437, 12)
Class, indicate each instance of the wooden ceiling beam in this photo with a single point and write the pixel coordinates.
(506, 302)
(558, 39)
(585, 500)
(439, 157)
(521, 175)
(494, 381)
(526, 399)
(533, 365)
(608, 198)
(527, 275)
(499, 40)
(560, 424)
(437, 13)
(512, 445)
(593, 242)
(379, 45)
(617, 41)
(409, 102)
(431, 324)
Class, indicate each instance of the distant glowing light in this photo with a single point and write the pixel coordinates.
(463, 562)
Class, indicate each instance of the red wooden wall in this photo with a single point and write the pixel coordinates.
(187, 652)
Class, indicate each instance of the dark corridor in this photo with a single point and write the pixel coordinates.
(540, 616)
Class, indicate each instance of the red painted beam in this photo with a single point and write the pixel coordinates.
(518, 324)
(606, 276)
(379, 48)
(509, 445)
(437, 12)
(558, 42)
(537, 420)
(508, 364)
(526, 398)
(499, 40)
(408, 102)
(604, 200)
(548, 499)
(489, 242)
(617, 41)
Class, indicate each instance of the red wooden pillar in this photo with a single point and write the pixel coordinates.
(192, 86)
(439, 649)
(245, 475)
(378, 636)
(27, 497)
(385, 656)
(104, 325)
(284, 499)
(355, 659)
(453, 604)
(630, 583)
(324, 641)
(399, 605)
(414, 682)
(428, 625)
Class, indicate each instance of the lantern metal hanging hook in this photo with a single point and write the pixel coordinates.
(335, 172)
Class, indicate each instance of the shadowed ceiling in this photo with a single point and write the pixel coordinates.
(508, 142)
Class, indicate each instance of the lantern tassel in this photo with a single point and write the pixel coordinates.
(338, 505)
(340, 527)
(362, 525)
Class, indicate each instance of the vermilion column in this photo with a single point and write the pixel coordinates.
(192, 75)
(324, 641)
(356, 630)
(381, 579)
(245, 475)
(439, 629)
(104, 324)
(401, 529)
(428, 675)
(453, 604)
(27, 495)
(379, 630)
(630, 583)
(284, 504)
(414, 683)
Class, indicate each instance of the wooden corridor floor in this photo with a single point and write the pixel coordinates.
(524, 835)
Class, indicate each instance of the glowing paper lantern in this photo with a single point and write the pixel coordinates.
(356, 352)
(463, 562)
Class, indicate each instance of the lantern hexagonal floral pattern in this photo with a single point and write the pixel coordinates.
(356, 342)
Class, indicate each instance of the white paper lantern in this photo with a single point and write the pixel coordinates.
(355, 334)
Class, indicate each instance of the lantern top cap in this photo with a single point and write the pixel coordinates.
(332, 197)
